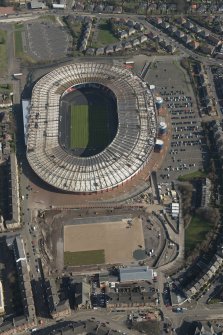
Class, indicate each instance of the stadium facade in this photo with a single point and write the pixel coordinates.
(121, 160)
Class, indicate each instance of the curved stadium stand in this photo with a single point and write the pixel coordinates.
(121, 160)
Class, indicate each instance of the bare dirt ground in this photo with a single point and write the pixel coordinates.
(52, 230)
(118, 239)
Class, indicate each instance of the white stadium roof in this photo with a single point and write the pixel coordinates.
(121, 160)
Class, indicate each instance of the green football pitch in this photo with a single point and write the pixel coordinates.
(89, 126)
(84, 257)
(79, 134)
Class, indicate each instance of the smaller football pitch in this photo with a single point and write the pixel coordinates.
(104, 242)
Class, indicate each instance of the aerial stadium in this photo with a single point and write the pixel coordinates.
(90, 128)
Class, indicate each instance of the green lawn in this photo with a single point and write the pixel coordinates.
(18, 26)
(49, 17)
(84, 257)
(105, 36)
(18, 43)
(79, 126)
(89, 125)
(3, 53)
(195, 232)
(192, 175)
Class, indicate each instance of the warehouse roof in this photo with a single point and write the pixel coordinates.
(135, 273)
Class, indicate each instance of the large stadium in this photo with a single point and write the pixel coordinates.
(91, 127)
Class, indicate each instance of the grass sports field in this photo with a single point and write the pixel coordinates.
(84, 257)
(89, 125)
(102, 242)
(79, 126)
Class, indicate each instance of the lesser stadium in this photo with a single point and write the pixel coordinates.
(100, 243)
(91, 127)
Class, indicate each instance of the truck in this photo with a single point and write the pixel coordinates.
(16, 75)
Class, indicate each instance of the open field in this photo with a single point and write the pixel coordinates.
(3, 53)
(195, 232)
(118, 242)
(105, 36)
(79, 135)
(84, 257)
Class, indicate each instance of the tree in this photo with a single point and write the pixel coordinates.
(209, 214)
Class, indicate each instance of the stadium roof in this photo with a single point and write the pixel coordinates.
(25, 112)
(1, 298)
(127, 154)
(136, 273)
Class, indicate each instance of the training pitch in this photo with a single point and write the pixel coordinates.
(115, 241)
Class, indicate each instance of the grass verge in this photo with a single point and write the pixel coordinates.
(105, 36)
(84, 257)
(3, 53)
(192, 175)
(195, 232)
(49, 18)
(18, 43)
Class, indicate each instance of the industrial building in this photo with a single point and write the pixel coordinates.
(57, 308)
(131, 295)
(136, 273)
(28, 318)
(175, 210)
(14, 221)
(75, 328)
(16, 244)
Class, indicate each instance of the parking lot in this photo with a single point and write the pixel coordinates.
(187, 152)
(45, 40)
